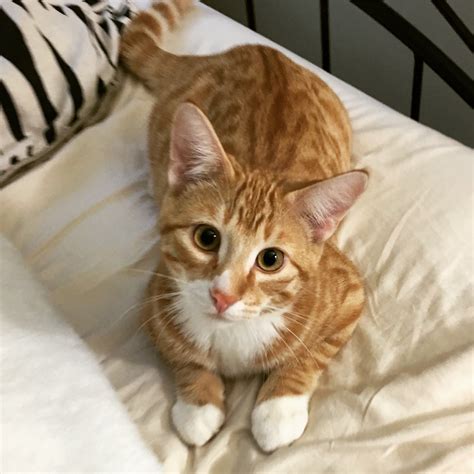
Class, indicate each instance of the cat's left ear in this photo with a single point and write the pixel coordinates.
(196, 153)
(324, 204)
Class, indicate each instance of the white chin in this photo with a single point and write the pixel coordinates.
(220, 318)
(234, 313)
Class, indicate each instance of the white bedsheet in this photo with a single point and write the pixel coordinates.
(401, 394)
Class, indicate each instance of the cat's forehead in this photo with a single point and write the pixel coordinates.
(253, 206)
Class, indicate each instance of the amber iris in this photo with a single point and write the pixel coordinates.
(270, 260)
(207, 237)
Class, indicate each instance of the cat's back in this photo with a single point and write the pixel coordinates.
(268, 112)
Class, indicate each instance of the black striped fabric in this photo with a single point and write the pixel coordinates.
(58, 58)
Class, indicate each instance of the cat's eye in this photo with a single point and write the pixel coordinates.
(207, 237)
(270, 260)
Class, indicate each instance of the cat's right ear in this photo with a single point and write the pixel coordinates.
(196, 153)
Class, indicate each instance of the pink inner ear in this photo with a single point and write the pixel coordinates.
(195, 150)
(321, 231)
(323, 205)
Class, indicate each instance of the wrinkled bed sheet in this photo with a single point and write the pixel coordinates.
(400, 395)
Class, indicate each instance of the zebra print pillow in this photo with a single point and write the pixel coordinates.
(58, 58)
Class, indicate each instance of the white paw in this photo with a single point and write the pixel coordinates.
(196, 424)
(279, 421)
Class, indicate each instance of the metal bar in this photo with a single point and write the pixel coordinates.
(456, 23)
(421, 46)
(416, 88)
(250, 8)
(324, 18)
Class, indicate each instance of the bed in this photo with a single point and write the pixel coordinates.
(400, 396)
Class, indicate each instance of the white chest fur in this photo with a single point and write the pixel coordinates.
(234, 346)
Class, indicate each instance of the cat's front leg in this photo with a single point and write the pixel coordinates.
(198, 412)
(280, 415)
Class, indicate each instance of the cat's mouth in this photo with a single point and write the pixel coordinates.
(228, 317)
(221, 317)
(225, 317)
(234, 313)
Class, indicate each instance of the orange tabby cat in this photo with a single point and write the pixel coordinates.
(250, 159)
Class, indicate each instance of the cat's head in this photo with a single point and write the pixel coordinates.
(241, 242)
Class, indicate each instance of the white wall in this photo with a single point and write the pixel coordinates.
(365, 55)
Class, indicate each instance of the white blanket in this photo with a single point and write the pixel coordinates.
(400, 395)
(59, 413)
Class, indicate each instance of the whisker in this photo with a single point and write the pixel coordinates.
(304, 345)
(289, 315)
(161, 275)
(136, 332)
(266, 362)
(151, 299)
(301, 315)
(169, 313)
(287, 345)
(296, 321)
(272, 354)
(296, 315)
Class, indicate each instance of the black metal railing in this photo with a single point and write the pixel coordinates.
(250, 9)
(423, 49)
(456, 23)
(325, 36)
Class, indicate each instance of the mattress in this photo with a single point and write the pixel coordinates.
(399, 397)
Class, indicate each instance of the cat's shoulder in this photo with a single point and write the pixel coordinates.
(340, 271)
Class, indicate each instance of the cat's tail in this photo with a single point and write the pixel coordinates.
(140, 49)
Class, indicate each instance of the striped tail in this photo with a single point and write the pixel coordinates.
(140, 50)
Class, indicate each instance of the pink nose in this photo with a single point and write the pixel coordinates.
(221, 300)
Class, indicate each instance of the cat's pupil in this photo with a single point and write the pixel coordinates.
(208, 237)
(270, 257)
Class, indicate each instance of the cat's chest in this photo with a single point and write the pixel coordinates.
(234, 348)
(233, 354)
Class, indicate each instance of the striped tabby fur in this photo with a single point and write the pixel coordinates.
(258, 147)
